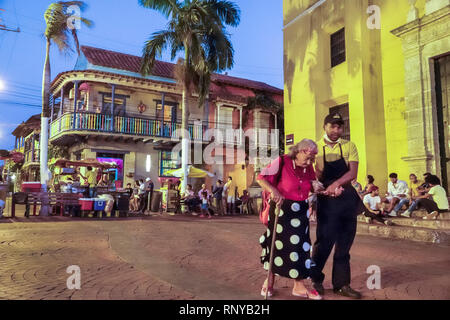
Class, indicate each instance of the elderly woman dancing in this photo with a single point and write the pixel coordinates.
(289, 180)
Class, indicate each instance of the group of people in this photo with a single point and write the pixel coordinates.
(222, 200)
(427, 194)
(140, 195)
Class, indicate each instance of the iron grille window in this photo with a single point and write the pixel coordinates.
(168, 161)
(337, 47)
(343, 111)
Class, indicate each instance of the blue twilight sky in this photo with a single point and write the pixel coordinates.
(120, 25)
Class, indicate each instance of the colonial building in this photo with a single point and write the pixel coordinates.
(385, 66)
(27, 142)
(105, 109)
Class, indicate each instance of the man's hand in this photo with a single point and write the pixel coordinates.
(334, 190)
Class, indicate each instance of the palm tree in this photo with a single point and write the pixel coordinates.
(197, 28)
(58, 31)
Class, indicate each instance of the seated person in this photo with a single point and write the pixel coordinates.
(435, 201)
(397, 191)
(204, 189)
(373, 204)
(357, 187)
(189, 198)
(370, 182)
(414, 193)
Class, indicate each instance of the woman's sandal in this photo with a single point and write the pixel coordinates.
(263, 292)
(312, 295)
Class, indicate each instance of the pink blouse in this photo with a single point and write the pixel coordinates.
(293, 185)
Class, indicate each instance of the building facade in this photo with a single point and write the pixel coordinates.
(27, 136)
(105, 109)
(385, 66)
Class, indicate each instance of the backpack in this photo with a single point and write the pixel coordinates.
(264, 213)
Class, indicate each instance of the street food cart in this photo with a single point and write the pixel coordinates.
(98, 204)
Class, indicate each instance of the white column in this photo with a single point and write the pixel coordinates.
(434, 5)
(240, 125)
(413, 13)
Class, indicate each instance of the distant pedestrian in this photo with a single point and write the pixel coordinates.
(217, 197)
(204, 205)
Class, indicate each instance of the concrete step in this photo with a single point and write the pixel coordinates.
(416, 222)
(419, 222)
(423, 213)
(440, 236)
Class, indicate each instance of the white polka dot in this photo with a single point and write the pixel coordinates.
(266, 265)
(308, 213)
(281, 213)
(295, 207)
(263, 252)
(306, 246)
(279, 244)
(295, 239)
(279, 228)
(308, 264)
(268, 233)
(261, 240)
(306, 231)
(293, 274)
(295, 223)
(278, 261)
(294, 256)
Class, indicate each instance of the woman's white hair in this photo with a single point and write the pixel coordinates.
(305, 145)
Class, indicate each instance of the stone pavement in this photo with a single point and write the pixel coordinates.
(180, 257)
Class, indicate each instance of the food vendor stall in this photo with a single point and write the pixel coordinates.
(106, 189)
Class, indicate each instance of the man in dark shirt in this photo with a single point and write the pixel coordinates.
(217, 197)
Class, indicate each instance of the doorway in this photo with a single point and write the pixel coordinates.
(442, 80)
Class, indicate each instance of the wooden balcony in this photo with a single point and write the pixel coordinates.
(96, 123)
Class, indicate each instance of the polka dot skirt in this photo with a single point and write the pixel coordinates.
(292, 242)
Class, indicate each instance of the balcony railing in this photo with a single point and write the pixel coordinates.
(30, 157)
(97, 122)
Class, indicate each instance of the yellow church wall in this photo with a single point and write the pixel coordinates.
(371, 80)
(393, 15)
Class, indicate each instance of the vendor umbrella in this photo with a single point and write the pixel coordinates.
(193, 172)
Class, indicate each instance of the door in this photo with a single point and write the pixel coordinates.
(442, 74)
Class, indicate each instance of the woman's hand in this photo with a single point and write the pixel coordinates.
(277, 197)
(317, 186)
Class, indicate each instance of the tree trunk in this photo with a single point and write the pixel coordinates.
(184, 128)
(44, 124)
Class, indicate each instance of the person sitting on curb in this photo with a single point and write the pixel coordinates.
(373, 204)
(397, 191)
(414, 193)
(435, 201)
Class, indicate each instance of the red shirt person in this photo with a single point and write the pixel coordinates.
(289, 180)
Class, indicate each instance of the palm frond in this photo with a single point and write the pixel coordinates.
(165, 7)
(228, 12)
(154, 47)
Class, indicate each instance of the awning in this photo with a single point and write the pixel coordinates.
(64, 163)
(193, 172)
